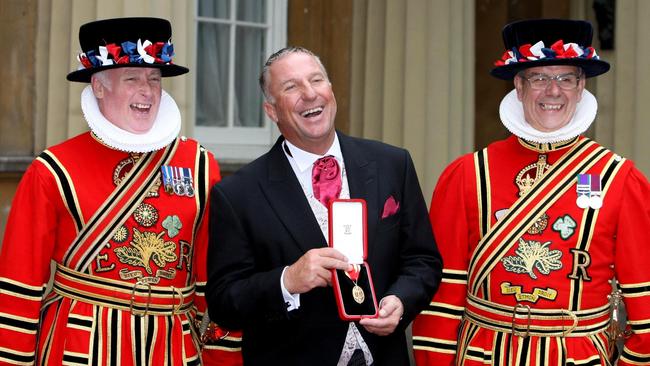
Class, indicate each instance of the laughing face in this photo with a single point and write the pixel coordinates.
(551, 108)
(302, 102)
(129, 97)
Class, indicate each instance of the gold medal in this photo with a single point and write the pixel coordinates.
(357, 291)
(357, 294)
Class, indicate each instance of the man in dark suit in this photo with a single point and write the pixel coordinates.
(269, 262)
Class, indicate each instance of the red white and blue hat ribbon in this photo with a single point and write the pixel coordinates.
(538, 51)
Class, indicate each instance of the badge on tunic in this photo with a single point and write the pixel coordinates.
(565, 226)
(188, 183)
(145, 215)
(589, 191)
(595, 198)
(168, 180)
(179, 188)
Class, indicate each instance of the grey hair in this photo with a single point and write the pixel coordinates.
(265, 77)
(102, 77)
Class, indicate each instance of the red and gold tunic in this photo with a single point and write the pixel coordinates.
(543, 296)
(134, 297)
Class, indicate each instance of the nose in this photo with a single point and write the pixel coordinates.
(553, 88)
(144, 88)
(308, 92)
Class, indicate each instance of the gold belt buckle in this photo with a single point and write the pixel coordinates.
(176, 308)
(514, 319)
(146, 309)
(566, 332)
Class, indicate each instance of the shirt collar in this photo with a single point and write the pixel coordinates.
(305, 160)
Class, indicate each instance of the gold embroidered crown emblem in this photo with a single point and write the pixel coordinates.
(531, 174)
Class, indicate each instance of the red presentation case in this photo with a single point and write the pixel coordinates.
(354, 291)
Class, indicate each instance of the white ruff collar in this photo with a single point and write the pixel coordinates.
(511, 112)
(164, 130)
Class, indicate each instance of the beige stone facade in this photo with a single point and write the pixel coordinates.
(411, 82)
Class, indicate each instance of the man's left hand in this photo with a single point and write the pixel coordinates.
(390, 313)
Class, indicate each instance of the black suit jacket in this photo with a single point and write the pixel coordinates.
(260, 222)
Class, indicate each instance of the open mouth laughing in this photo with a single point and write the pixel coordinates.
(312, 112)
(550, 107)
(141, 108)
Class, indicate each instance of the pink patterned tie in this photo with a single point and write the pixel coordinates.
(326, 179)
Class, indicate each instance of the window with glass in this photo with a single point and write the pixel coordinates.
(234, 38)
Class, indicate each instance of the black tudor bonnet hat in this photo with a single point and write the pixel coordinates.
(125, 42)
(543, 42)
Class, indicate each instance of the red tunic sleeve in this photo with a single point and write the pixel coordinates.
(435, 329)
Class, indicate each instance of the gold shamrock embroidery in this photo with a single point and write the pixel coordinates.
(145, 247)
(533, 255)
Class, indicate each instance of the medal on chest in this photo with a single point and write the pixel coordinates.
(589, 191)
(177, 180)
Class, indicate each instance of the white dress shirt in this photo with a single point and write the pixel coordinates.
(302, 162)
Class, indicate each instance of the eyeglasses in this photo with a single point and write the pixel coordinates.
(542, 81)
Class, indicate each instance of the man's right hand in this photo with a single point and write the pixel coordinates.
(313, 270)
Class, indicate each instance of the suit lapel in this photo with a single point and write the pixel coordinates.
(286, 197)
(362, 180)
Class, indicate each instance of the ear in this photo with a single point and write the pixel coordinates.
(519, 85)
(269, 109)
(98, 87)
(581, 86)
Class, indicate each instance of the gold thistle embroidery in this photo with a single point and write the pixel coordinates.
(145, 247)
(533, 255)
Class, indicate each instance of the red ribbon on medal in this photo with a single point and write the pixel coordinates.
(354, 273)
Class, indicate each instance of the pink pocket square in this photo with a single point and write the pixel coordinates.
(390, 207)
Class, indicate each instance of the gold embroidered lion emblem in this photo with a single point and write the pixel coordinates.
(533, 255)
(145, 247)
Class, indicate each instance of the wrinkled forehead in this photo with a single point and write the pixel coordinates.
(553, 70)
(294, 67)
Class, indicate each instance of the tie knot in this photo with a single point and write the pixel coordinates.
(326, 168)
(326, 179)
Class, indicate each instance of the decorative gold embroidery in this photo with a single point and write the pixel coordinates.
(145, 215)
(533, 255)
(145, 247)
(547, 293)
(540, 224)
(546, 147)
(123, 169)
(531, 174)
(99, 265)
(125, 274)
(525, 181)
(121, 234)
